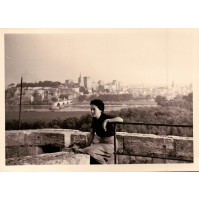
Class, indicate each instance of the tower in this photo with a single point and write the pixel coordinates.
(80, 81)
(87, 83)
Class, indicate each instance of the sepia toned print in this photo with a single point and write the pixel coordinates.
(143, 76)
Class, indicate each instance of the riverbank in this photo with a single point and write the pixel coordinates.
(32, 113)
(42, 116)
(84, 106)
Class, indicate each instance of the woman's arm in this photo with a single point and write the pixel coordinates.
(111, 120)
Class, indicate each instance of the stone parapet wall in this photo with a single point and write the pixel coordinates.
(155, 146)
(33, 142)
(34, 147)
(132, 148)
(148, 148)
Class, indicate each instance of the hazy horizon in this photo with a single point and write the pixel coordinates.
(132, 56)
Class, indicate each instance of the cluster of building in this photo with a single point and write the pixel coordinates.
(169, 92)
(92, 87)
(70, 90)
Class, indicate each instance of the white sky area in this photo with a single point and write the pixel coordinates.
(132, 56)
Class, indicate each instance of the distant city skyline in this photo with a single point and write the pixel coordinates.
(172, 83)
(132, 56)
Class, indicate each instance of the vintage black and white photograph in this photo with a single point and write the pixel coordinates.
(99, 97)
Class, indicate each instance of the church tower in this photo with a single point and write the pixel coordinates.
(80, 81)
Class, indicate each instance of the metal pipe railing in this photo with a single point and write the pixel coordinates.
(146, 124)
(142, 124)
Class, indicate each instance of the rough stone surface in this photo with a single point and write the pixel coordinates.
(184, 148)
(12, 152)
(18, 151)
(159, 160)
(68, 133)
(143, 160)
(34, 138)
(79, 139)
(30, 142)
(148, 145)
(29, 151)
(42, 139)
(127, 159)
(50, 159)
(120, 140)
(15, 138)
(124, 159)
(176, 161)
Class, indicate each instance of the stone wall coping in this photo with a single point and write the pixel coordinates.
(54, 131)
(154, 136)
(71, 131)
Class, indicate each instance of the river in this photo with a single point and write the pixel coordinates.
(71, 108)
(32, 113)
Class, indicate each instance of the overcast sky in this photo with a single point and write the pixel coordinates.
(133, 56)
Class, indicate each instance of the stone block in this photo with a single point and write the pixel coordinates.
(67, 138)
(20, 151)
(38, 150)
(120, 147)
(49, 139)
(11, 152)
(125, 159)
(51, 159)
(30, 139)
(148, 145)
(14, 139)
(159, 160)
(42, 139)
(143, 160)
(29, 151)
(184, 148)
(23, 151)
(79, 139)
(175, 161)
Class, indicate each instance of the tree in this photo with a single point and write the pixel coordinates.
(45, 83)
(83, 90)
(81, 98)
(54, 99)
(9, 93)
(63, 96)
(161, 100)
(37, 96)
(148, 97)
(189, 97)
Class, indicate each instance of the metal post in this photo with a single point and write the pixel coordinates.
(19, 125)
(115, 149)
